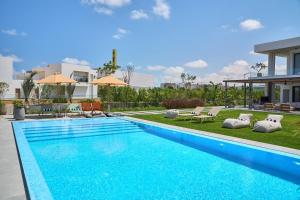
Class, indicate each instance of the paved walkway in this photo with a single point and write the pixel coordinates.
(11, 184)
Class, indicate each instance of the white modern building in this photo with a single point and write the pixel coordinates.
(84, 75)
(290, 82)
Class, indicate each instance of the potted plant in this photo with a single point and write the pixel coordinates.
(258, 67)
(19, 111)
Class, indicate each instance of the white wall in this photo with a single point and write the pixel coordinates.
(6, 75)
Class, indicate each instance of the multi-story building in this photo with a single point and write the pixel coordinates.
(84, 75)
(289, 83)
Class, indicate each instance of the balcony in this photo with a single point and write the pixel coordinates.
(81, 77)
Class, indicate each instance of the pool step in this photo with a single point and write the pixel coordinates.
(72, 129)
(37, 129)
(62, 137)
(87, 131)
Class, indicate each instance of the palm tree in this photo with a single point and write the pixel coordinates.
(28, 85)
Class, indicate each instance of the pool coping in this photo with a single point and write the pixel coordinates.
(224, 137)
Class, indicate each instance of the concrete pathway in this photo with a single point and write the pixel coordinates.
(11, 183)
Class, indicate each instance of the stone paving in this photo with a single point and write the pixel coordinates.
(11, 183)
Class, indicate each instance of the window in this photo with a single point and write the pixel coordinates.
(297, 63)
(296, 94)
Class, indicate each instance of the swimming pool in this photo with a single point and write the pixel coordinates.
(118, 158)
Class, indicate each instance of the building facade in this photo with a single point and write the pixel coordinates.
(289, 82)
(84, 75)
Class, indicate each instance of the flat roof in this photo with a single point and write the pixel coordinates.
(278, 46)
(267, 79)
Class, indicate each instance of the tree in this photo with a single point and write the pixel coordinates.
(187, 80)
(28, 85)
(127, 73)
(258, 67)
(107, 69)
(3, 89)
(70, 91)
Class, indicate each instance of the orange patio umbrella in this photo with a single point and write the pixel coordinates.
(109, 81)
(56, 79)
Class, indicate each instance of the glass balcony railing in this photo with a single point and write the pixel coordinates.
(81, 79)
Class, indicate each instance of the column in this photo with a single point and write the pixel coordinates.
(226, 100)
(245, 95)
(271, 64)
(250, 95)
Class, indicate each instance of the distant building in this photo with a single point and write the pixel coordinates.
(84, 75)
(168, 85)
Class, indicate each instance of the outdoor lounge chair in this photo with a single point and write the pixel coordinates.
(286, 107)
(212, 114)
(75, 108)
(46, 108)
(269, 106)
(270, 124)
(195, 112)
(244, 120)
(172, 114)
(85, 106)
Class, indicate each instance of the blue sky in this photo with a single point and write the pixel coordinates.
(210, 39)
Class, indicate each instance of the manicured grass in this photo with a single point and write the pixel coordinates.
(289, 136)
(138, 109)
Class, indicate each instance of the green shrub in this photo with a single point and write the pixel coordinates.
(60, 100)
(88, 101)
(18, 104)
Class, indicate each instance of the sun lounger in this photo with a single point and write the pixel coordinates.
(75, 108)
(286, 107)
(269, 106)
(196, 111)
(212, 114)
(244, 120)
(270, 124)
(172, 114)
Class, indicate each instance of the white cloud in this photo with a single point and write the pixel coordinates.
(197, 64)
(253, 53)
(13, 57)
(162, 9)
(103, 10)
(110, 3)
(172, 74)
(75, 61)
(156, 68)
(251, 24)
(13, 32)
(139, 79)
(138, 14)
(120, 33)
(235, 70)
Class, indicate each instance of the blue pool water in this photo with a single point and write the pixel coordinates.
(114, 158)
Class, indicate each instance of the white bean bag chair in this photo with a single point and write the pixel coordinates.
(244, 120)
(270, 124)
(172, 114)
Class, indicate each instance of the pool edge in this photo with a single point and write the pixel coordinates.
(267, 146)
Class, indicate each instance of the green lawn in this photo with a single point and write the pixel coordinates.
(289, 136)
(138, 109)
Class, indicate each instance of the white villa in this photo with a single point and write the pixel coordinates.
(84, 75)
(290, 82)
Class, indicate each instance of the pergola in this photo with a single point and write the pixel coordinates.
(263, 80)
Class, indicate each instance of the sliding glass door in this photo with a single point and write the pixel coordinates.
(296, 94)
(297, 63)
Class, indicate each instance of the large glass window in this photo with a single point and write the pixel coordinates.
(296, 94)
(297, 63)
